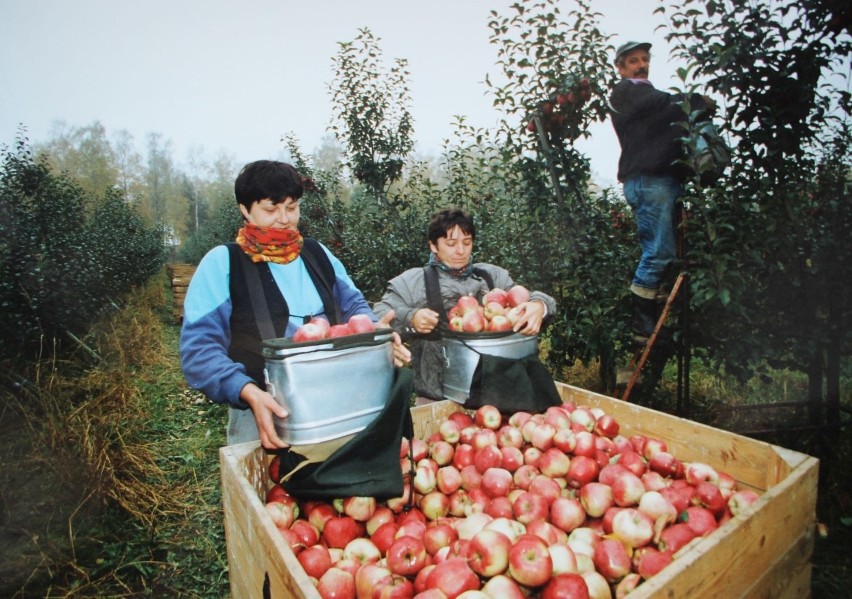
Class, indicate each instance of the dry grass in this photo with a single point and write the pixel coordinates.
(96, 431)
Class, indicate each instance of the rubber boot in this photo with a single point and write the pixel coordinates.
(643, 318)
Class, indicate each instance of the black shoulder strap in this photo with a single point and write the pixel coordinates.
(262, 315)
(322, 273)
(433, 293)
(485, 276)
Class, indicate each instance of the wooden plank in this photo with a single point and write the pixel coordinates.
(257, 553)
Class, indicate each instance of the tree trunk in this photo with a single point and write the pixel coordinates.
(815, 371)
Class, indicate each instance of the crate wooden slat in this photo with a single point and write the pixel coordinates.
(764, 553)
(179, 277)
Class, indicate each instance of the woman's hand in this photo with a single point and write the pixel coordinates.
(532, 315)
(401, 354)
(424, 320)
(264, 406)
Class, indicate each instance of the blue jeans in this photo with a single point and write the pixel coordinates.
(652, 199)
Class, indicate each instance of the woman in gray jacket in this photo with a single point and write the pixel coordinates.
(451, 235)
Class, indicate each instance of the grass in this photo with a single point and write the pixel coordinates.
(114, 486)
(110, 485)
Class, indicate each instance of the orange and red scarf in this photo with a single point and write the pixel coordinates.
(267, 244)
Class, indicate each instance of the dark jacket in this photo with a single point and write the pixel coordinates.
(646, 123)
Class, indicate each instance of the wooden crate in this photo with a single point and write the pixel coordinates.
(179, 277)
(764, 554)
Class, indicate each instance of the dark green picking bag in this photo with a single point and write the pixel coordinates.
(512, 385)
(365, 465)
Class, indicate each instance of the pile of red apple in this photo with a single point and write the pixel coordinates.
(548, 505)
(319, 328)
(499, 311)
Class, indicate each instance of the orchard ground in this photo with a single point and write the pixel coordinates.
(154, 528)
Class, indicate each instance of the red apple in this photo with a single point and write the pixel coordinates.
(612, 559)
(366, 579)
(336, 584)
(463, 419)
(359, 508)
(517, 295)
(674, 537)
(384, 536)
(435, 505)
(627, 489)
(547, 487)
(513, 458)
(650, 561)
(406, 556)
(664, 463)
(448, 480)
(530, 563)
(489, 417)
(437, 536)
(282, 514)
(339, 531)
(489, 553)
(315, 560)
(463, 455)
(496, 295)
(652, 447)
(709, 496)
(320, 513)
(361, 323)
(449, 431)
(581, 471)
(471, 478)
(700, 520)
(493, 309)
(362, 549)
(633, 527)
(547, 532)
(496, 482)
(596, 498)
(607, 426)
(487, 457)
(338, 330)
(473, 322)
(565, 440)
(309, 332)
(453, 577)
(696, 472)
(424, 480)
(500, 322)
(567, 513)
(467, 304)
(739, 501)
(503, 587)
(471, 524)
(441, 452)
(566, 586)
(524, 475)
(529, 507)
(555, 463)
(499, 507)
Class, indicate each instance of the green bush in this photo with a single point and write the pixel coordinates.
(65, 255)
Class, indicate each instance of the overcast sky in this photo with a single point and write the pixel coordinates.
(237, 75)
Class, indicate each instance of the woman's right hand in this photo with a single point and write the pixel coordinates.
(264, 406)
(424, 320)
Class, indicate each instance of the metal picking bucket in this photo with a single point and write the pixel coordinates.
(331, 387)
(461, 357)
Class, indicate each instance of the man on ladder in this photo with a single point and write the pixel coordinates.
(647, 124)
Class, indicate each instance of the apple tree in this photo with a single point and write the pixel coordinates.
(567, 237)
(771, 285)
